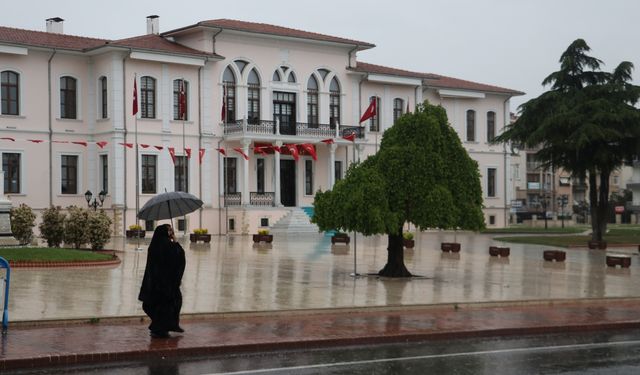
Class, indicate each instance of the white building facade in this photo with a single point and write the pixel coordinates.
(267, 92)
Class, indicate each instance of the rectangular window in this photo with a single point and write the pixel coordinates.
(176, 99)
(182, 225)
(69, 174)
(398, 108)
(103, 97)
(9, 93)
(253, 102)
(260, 175)
(149, 173)
(312, 108)
(230, 102)
(11, 168)
(471, 126)
(374, 122)
(181, 174)
(491, 126)
(232, 225)
(338, 170)
(147, 97)
(149, 225)
(491, 182)
(104, 172)
(230, 172)
(68, 97)
(492, 220)
(308, 177)
(334, 108)
(264, 222)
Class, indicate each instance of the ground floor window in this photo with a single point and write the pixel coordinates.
(104, 172)
(181, 173)
(149, 173)
(69, 174)
(338, 170)
(260, 175)
(11, 168)
(491, 182)
(230, 173)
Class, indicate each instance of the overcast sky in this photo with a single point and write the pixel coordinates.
(508, 43)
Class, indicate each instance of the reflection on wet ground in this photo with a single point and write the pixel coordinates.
(306, 271)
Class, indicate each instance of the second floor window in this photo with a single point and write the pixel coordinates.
(69, 174)
(253, 98)
(230, 173)
(11, 168)
(229, 93)
(334, 102)
(398, 107)
(9, 95)
(68, 98)
(312, 102)
(374, 122)
(178, 86)
(471, 125)
(149, 173)
(147, 97)
(103, 98)
(491, 126)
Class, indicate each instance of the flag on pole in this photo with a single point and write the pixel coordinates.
(182, 102)
(172, 153)
(135, 96)
(350, 137)
(201, 155)
(239, 151)
(294, 151)
(371, 110)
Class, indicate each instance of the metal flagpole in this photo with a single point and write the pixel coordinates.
(135, 116)
(355, 234)
(182, 112)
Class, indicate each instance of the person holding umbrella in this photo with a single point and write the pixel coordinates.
(160, 290)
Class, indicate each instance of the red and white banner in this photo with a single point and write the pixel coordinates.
(371, 111)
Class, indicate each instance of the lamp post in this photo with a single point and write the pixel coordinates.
(95, 204)
(544, 202)
(562, 202)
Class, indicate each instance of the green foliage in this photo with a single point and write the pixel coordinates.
(22, 223)
(135, 227)
(263, 232)
(52, 226)
(407, 235)
(43, 254)
(75, 226)
(204, 231)
(98, 229)
(421, 174)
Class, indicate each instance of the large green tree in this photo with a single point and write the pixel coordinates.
(421, 175)
(586, 123)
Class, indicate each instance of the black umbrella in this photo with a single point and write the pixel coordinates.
(169, 205)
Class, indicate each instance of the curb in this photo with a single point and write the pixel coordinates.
(46, 264)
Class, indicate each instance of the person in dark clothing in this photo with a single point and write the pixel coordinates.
(160, 289)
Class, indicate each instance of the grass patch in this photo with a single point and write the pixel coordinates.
(50, 254)
(615, 235)
(527, 229)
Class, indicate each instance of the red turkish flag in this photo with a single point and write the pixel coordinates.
(239, 151)
(8, 139)
(159, 148)
(144, 145)
(276, 149)
(135, 97)
(35, 140)
(172, 152)
(308, 147)
(260, 150)
(182, 102)
(371, 110)
(222, 151)
(294, 151)
(201, 155)
(81, 143)
(101, 144)
(351, 137)
(328, 141)
(188, 152)
(130, 145)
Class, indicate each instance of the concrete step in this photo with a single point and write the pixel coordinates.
(297, 221)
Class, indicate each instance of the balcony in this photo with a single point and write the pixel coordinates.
(269, 128)
(262, 199)
(232, 199)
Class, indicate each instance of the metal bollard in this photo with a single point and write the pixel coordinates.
(7, 281)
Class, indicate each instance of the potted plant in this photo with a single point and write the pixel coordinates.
(135, 231)
(340, 237)
(263, 236)
(200, 234)
(407, 240)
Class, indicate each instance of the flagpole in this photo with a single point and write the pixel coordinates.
(135, 116)
(355, 234)
(182, 112)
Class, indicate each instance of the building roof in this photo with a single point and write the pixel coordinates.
(434, 80)
(42, 39)
(263, 28)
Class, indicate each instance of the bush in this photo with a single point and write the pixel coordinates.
(75, 226)
(200, 231)
(407, 235)
(135, 227)
(263, 232)
(98, 229)
(52, 226)
(22, 223)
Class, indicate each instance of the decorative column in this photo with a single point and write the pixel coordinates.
(276, 167)
(332, 165)
(245, 173)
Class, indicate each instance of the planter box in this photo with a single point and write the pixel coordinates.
(623, 261)
(495, 251)
(551, 255)
(268, 238)
(409, 244)
(450, 246)
(601, 245)
(206, 238)
(344, 238)
(135, 233)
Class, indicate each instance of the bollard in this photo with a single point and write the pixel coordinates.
(5, 306)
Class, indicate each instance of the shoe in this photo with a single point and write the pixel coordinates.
(160, 335)
(177, 329)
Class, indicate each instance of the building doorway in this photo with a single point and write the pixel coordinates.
(288, 183)
(284, 110)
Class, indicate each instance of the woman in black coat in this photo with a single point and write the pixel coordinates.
(160, 290)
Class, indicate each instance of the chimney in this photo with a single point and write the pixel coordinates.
(153, 25)
(54, 25)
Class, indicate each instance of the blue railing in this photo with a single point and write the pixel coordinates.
(7, 281)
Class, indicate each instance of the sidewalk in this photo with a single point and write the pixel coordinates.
(63, 343)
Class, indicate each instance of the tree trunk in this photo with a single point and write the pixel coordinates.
(395, 258)
(593, 206)
(603, 203)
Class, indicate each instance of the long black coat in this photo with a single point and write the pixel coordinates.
(160, 289)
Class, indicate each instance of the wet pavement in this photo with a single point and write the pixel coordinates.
(244, 297)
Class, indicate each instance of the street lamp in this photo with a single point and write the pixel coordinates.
(562, 202)
(95, 203)
(544, 201)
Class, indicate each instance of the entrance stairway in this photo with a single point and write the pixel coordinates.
(296, 221)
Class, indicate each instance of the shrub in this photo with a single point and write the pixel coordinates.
(98, 229)
(135, 227)
(75, 226)
(407, 235)
(52, 226)
(22, 223)
(200, 231)
(263, 232)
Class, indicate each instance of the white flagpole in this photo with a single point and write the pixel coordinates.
(182, 112)
(135, 116)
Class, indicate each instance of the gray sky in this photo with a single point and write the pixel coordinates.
(508, 43)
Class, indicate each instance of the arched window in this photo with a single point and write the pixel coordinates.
(471, 125)
(491, 126)
(180, 100)
(374, 122)
(68, 104)
(103, 98)
(148, 97)
(253, 97)
(312, 102)
(292, 78)
(398, 108)
(229, 82)
(241, 64)
(9, 95)
(334, 102)
(276, 76)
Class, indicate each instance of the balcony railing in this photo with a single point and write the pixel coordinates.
(232, 199)
(267, 127)
(262, 199)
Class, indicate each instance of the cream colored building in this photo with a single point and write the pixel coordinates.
(67, 124)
